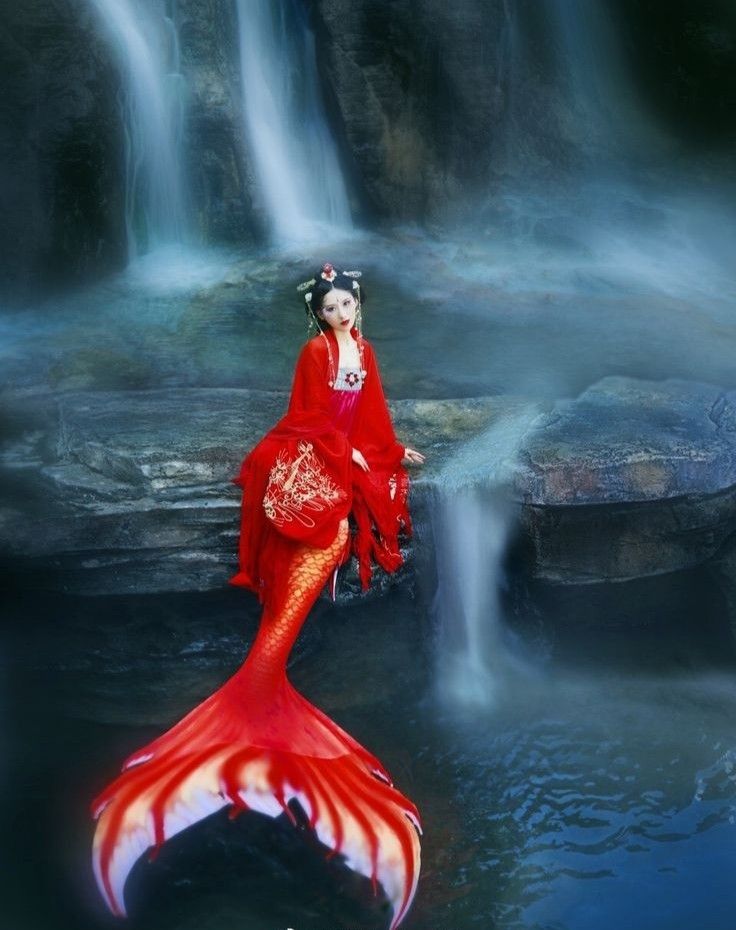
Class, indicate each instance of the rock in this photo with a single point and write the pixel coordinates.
(630, 478)
(407, 81)
(61, 149)
(624, 439)
(223, 186)
(129, 491)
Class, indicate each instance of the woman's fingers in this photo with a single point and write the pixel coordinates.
(359, 460)
(413, 456)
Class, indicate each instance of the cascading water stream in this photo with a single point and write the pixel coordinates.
(510, 62)
(469, 540)
(603, 104)
(575, 111)
(472, 516)
(293, 152)
(153, 110)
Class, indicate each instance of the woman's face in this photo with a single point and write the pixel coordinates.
(338, 309)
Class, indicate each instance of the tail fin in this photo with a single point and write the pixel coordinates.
(213, 758)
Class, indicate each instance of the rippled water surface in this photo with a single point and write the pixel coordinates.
(605, 801)
(599, 793)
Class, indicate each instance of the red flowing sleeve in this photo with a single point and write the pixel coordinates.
(296, 483)
(310, 389)
(380, 496)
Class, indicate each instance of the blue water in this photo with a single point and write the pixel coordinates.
(602, 794)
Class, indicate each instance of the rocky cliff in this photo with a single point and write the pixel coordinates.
(434, 107)
(60, 148)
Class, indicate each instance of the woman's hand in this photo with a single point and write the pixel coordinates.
(411, 455)
(359, 460)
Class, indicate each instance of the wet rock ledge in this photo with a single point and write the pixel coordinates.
(129, 491)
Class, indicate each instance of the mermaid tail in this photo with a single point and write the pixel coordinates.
(256, 744)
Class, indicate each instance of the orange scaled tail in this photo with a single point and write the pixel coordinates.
(255, 744)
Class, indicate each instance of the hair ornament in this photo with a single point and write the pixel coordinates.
(329, 275)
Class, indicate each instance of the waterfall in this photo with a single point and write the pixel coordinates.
(292, 150)
(509, 61)
(152, 103)
(604, 106)
(582, 107)
(472, 515)
(470, 536)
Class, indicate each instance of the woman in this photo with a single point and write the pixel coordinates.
(256, 743)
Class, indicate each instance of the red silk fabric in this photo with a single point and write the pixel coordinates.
(377, 499)
(343, 407)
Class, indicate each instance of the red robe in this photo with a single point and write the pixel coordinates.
(306, 440)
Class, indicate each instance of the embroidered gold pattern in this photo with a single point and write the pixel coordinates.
(299, 486)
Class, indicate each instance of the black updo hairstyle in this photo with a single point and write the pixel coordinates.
(323, 287)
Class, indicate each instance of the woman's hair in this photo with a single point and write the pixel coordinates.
(322, 288)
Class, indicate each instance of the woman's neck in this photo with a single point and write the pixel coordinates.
(346, 350)
(344, 340)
